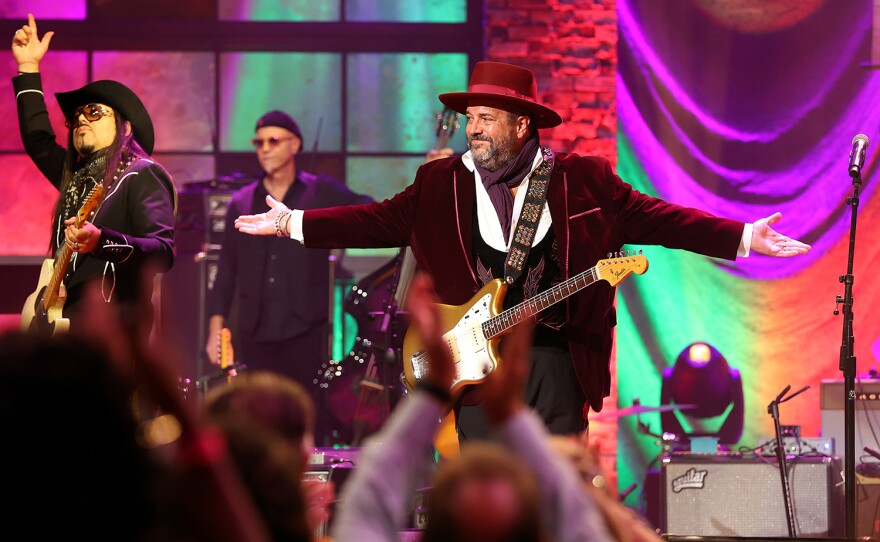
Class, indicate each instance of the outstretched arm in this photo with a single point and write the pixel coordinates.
(767, 241)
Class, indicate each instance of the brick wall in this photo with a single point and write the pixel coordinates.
(571, 45)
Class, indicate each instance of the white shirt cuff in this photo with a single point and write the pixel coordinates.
(295, 225)
(745, 244)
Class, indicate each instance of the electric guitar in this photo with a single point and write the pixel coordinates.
(475, 328)
(42, 309)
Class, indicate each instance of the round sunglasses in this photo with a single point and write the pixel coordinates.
(91, 112)
(273, 141)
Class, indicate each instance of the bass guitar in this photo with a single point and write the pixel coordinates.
(42, 309)
(475, 328)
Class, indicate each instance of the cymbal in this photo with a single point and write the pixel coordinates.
(637, 409)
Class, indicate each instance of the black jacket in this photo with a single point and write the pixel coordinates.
(282, 288)
(136, 217)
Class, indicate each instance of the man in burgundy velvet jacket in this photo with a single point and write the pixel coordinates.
(459, 214)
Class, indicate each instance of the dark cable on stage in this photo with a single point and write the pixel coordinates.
(847, 353)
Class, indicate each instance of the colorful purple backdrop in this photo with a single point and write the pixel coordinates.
(744, 109)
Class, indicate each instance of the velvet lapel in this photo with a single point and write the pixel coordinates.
(465, 200)
(557, 199)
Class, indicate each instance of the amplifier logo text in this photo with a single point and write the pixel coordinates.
(692, 479)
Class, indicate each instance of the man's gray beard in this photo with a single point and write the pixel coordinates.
(495, 156)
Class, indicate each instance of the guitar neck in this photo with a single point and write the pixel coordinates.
(58, 272)
(63, 259)
(442, 141)
(507, 319)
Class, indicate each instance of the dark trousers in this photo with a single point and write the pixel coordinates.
(299, 358)
(552, 391)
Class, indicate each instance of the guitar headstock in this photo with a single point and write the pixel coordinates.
(616, 269)
(224, 347)
(447, 124)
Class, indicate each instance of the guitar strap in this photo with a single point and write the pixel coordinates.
(527, 225)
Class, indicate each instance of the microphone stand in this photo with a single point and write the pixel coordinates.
(848, 364)
(773, 410)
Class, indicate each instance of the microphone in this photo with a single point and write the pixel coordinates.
(857, 156)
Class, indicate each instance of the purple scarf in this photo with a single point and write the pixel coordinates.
(498, 183)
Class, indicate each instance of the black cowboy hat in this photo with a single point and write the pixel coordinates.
(505, 83)
(121, 99)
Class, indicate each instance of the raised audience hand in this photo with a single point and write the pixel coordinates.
(502, 391)
(425, 316)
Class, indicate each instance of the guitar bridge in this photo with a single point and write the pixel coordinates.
(419, 364)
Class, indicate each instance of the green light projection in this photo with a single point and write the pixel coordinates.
(273, 10)
(305, 85)
(682, 298)
(425, 11)
(392, 99)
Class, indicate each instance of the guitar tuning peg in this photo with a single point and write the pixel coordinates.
(609, 254)
(640, 252)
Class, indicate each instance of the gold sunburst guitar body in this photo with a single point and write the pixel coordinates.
(42, 309)
(475, 328)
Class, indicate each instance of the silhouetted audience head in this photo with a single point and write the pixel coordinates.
(272, 470)
(485, 495)
(269, 399)
(72, 461)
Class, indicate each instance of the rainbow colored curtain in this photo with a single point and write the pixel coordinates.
(744, 108)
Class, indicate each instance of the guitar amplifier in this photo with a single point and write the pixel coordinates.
(718, 495)
(198, 237)
(866, 409)
(201, 214)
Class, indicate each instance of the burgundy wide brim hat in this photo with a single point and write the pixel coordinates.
(121, 99)
(497, 81)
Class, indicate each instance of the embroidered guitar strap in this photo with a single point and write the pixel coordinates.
(527, 225)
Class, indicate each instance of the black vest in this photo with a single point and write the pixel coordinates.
(540, 273)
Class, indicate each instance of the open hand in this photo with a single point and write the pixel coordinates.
(263, 223)
(765, 240)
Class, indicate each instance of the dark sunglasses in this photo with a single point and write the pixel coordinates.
(273, 141)
(91, 112)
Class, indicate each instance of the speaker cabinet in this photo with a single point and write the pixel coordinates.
(735, 496)
(198, 237)
(866, 409)
(867, 506)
